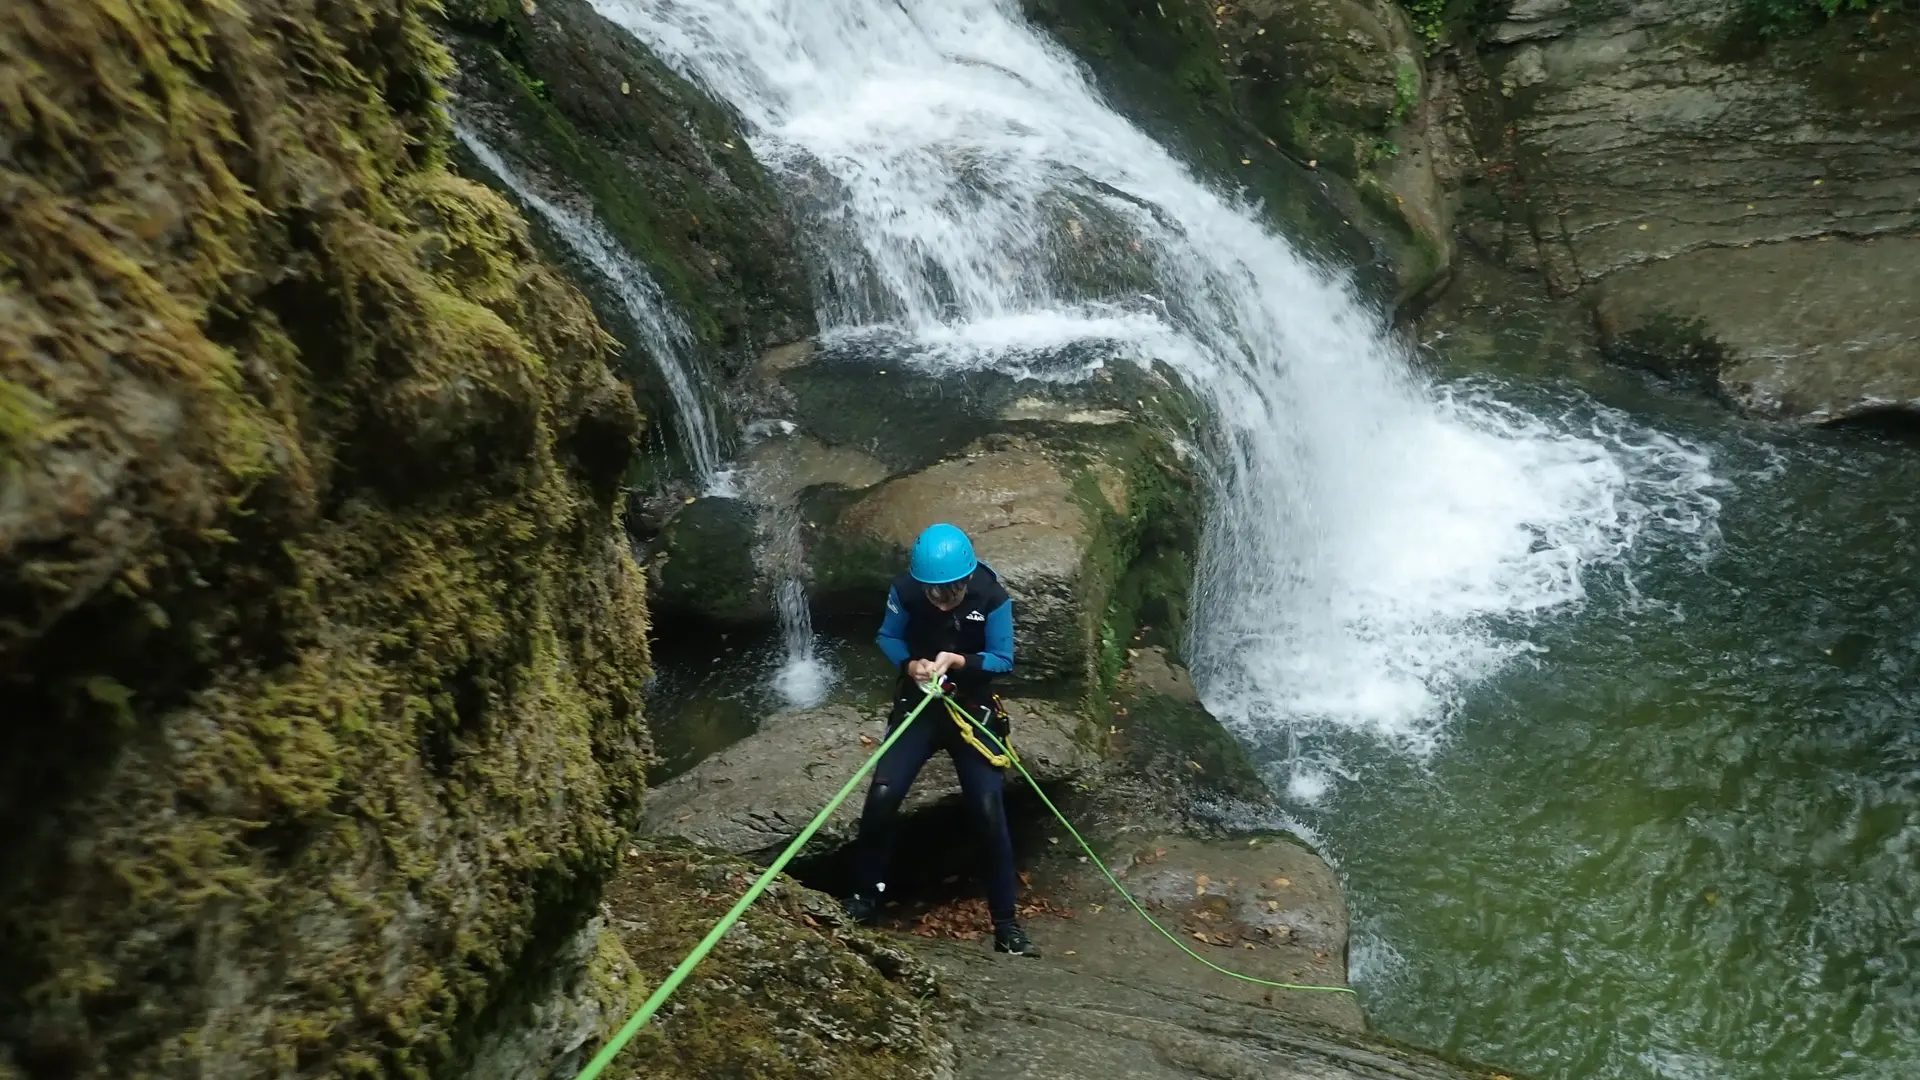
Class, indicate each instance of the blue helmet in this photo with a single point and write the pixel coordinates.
(943, 554)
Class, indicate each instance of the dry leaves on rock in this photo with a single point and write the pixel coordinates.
(969, 920)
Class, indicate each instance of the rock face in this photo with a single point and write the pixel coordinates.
(702, 565)
(755, 796)
(320, 647)
(1316, 107)
(664, 168)
(1715, 201)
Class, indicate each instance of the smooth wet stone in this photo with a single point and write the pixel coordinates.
(755, 796)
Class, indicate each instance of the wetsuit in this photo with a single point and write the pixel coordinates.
(980, 628)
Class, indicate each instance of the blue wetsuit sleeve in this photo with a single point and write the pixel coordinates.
(998, 659)
(893, 630)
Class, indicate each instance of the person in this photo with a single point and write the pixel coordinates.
(948, 619)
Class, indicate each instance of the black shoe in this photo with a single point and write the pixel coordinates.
(861, 909)
(1008, 937)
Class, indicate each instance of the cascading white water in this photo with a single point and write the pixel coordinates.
(1365, 526)
(662, 332)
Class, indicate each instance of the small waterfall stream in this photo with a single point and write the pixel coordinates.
(803, 677)
(663, 333)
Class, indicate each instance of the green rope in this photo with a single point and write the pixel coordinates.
(1122, 889)
(679, 974)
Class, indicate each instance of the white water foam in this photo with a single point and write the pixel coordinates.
(1367, 528)
(663, 333)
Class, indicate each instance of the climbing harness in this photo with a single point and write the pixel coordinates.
(1001, 759)
(967, 722)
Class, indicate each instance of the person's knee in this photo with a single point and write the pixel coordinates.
(885, 794)
(991, 811)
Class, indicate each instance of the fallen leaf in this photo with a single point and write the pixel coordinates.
(1070, 952)
(1247, 944)
(1198, 936)
(1201, 882)
(1281, 883)
(868, 740)
(1273, 905)
(624, 88)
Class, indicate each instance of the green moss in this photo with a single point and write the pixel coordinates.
(1782, 18)
(334, 651)
(667, 172)
(1137, 568)
(1171, 70)
(787, 995)
(23, 415)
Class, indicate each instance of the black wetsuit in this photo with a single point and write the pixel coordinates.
(980, 628)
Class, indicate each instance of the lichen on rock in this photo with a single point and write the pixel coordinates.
(325, 646)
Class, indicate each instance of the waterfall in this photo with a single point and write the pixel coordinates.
(662, 332)
(1369, 529)
(804, 676)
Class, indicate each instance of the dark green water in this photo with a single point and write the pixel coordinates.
(1682, 841)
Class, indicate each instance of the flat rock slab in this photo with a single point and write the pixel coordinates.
(1818, 330)
(1271, 909)
(1112, 998)
(755, 796)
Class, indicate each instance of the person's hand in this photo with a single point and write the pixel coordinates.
(920, 671)
(948, 661)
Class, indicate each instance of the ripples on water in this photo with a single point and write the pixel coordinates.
(1679, 838)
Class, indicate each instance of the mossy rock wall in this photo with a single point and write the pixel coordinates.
(319, 645)
(1296, 103)
(665, 168)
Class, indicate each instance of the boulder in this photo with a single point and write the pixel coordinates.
(664, 167)
(755, 796)
(1815, 331)
(1018, 505)
(1316, 109)
(1160, 730)
(1073, 491)
(702, 565)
